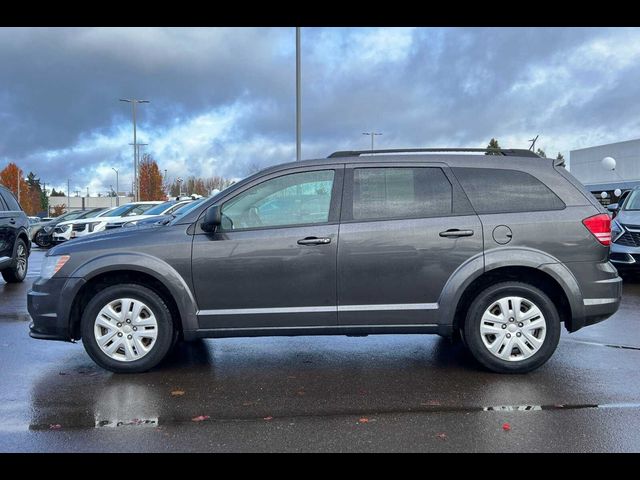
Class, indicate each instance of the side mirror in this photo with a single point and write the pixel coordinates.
(613, 207)
(212, 218)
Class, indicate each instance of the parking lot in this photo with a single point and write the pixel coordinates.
(378, 393)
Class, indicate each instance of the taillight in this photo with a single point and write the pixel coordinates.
(600, 226)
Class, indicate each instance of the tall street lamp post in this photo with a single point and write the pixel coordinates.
(134, 102)
(373, 134)
(117, 187)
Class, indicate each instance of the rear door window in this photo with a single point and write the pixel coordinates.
(400, 192)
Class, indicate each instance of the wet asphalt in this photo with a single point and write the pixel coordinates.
(337, 394)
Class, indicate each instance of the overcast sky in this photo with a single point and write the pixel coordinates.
(223, 100)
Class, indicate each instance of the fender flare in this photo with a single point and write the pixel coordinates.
(150, 265)
(474, 267)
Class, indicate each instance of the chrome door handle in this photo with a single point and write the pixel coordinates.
(454, 232)
(314, 241)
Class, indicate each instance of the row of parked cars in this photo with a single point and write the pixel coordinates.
(76, 224)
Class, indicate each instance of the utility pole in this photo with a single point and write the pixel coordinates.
(298, 99)
(19, 178)
(134, 102)
(137, 173)
(117, 187)
(533, 143)
(68, 195)
(373, 134)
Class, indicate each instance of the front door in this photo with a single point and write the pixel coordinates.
(272, 262)
(405, 230)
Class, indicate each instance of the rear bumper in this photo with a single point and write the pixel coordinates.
(601, 289)
(49, 305)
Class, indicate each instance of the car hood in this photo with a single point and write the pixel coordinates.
(629, 217)
(100, 239)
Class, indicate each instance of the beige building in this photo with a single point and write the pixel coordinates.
(86, 203)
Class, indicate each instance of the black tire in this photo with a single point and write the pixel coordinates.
(484, 300)
(38, 239)
(15, 274)
(165, 335)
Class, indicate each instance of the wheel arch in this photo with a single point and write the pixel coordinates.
(149, 272)
(520, 264)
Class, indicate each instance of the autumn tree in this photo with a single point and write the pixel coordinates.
(560, 156)
(10, 176)
(493, 144)
(58, 210)
(150, 179)
(199, 186)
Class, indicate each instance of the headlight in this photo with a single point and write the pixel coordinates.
(52, 264)
(47, 229)
(91, 226)
(616, 230)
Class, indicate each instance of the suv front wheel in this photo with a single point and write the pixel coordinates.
(512, 327)
(127, 328)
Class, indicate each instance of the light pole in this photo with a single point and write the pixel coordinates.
(373, 134)
(298, 98)
(134, 102)
(117, 187)
(179, 180)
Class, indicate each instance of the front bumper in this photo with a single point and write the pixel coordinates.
(625, 257)
(49, 304)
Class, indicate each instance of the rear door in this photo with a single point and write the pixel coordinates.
(405, 228)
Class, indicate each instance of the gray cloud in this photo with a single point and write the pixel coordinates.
(223, 99)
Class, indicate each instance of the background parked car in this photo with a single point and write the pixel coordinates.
(42, 233)
(113, 218)
(184, 207)
(14, 238)
(66, 230)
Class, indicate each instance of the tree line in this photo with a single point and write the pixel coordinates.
(153, 186)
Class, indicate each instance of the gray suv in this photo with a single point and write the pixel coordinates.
(497, 250)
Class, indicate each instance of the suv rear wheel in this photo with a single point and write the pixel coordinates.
(18, 271)
(127, 328)
(512, 327)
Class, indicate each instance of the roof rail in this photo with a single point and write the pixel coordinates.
(507, 152)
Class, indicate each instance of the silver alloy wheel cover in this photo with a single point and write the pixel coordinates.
(21, 257)
(125, 329)
(513, 328)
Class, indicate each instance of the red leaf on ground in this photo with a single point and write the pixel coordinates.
(442, 436)
(363, 420)
(55, 426)
(506, 427)
(200, 418)
(268, 418)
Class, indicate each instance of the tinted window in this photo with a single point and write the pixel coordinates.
(502, 191)
(295, 199)
(400, 192)
(10, 200)
(633, 201)
(159, 209)
(3, 207)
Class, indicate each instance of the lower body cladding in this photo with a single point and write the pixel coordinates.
(594, 300)
(600, 292)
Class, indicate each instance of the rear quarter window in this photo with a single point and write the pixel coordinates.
(505, 191)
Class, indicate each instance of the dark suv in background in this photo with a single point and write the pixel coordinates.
(499, 250)
(14, 238)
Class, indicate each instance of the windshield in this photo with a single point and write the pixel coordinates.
(70, 215)
(159, 209)
(633, 201)
(91, 213)
(131, 209)
(187, 208)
